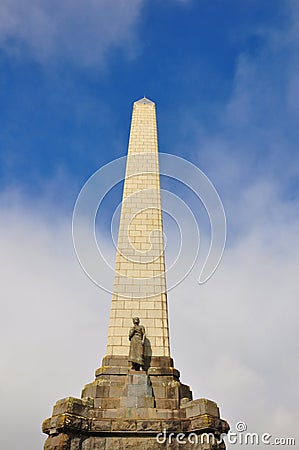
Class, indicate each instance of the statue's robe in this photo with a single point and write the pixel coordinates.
(136, 336)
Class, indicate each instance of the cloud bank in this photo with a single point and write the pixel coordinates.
(48, 317)
(76, 31)
(234, 338)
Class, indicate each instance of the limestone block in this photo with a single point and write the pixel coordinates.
(95, 390)
(94, 443)
(101, 425)
(166, 403)
(73, 406)
(159, 391)
(171, 425)
(124, 425)
(201, 406)
(116, 391)
(148, 425)
(76, 443)
(57, 442)
(137, 402)
(185, 392)
(140, 413)
(107, 403)
(129, 443)
(167, 414)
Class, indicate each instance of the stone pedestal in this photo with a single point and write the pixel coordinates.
(138, 393)
(123, 409)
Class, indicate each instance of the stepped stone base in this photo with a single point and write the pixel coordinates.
(124, 409)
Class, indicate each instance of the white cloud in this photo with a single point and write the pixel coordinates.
(82, 32)
(54, 321)
(234, 339)
(239, 331)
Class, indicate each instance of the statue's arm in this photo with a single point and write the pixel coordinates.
(131, 333)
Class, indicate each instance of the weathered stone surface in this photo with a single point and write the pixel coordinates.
(116, 391)
(132, 444)
(171, 425)
(159, 390)
(96, 390)
(167, 403)
(140, 413)
(58, 442)
(154, 371)
(94, 443)
(185, 392)
(46, 425)
(100, 425)
(75, 443)
(201, 406)
(137, 390)
(73, 405)
(109, 370)
(137, 402)
(148, 425)
(138, 393)
(170, 414)
(107, 403)
(207, 422)
(124, 425)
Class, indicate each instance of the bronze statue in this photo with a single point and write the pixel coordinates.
(137, 337)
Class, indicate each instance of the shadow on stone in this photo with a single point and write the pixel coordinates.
(147, 354)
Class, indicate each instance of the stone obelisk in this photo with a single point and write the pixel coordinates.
(126, 408)
(139, 284)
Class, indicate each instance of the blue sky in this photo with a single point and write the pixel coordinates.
(224, 76)
(68, 109)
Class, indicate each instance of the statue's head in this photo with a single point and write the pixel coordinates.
(136, 320)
